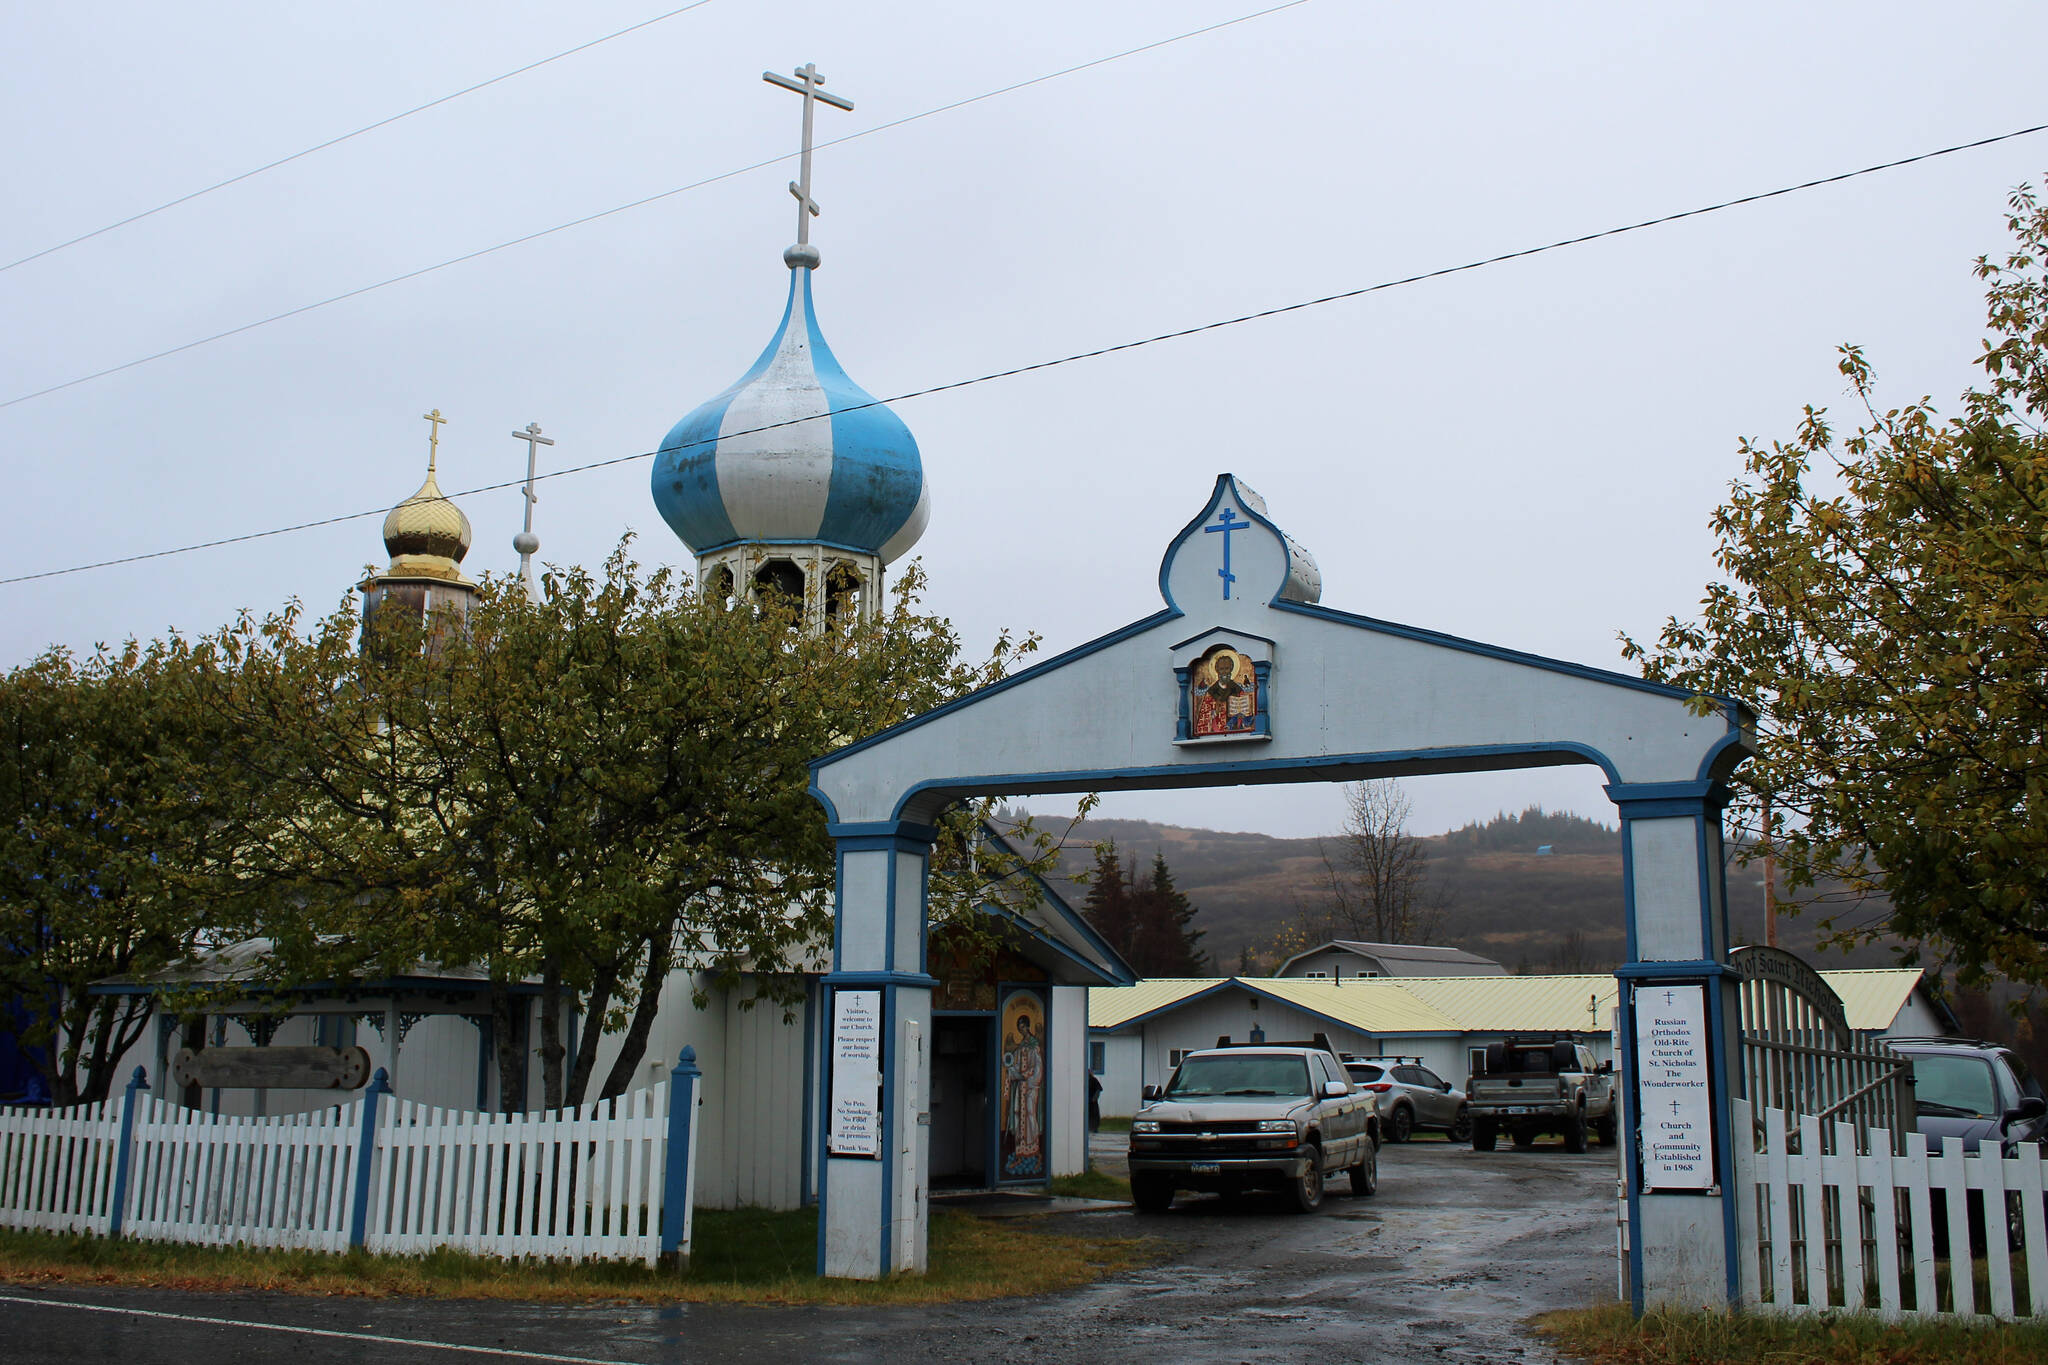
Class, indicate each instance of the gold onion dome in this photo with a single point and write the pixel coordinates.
(427, 535)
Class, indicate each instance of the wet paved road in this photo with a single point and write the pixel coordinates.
(1443, 1266)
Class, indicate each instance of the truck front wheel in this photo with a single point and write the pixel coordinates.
(1308, 1186)
(1151, 1193)
(1484, 1135)
(1603, 1128)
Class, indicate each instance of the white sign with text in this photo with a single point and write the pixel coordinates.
(1674, 1105)
(856, 1120)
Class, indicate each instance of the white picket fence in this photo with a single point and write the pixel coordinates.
(581, 1183)
(57, 1166)
(218, 1180)
(1826, 1225)
(576, 1183)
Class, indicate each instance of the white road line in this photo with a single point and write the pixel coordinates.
(313, 1331)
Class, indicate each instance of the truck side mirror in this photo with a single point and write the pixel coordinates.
(2030, 1108)
(1607, 1068)
(1335, 1089)
(1152, 1092)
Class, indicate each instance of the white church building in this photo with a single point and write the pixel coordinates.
(793, 479)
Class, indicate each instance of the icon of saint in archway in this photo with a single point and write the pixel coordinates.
(1226, 694)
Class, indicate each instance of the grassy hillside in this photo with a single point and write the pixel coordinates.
(1507, 900)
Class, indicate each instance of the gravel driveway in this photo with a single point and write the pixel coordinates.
(1445, 1264)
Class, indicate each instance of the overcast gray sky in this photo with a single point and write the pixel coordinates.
(1525, 455)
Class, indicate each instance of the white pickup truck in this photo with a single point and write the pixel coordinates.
(1533, 1086)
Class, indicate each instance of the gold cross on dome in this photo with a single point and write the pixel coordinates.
(433, 435)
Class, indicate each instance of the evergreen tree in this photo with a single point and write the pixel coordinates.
(1108, 906)
(1146, 920)
(1166, 943)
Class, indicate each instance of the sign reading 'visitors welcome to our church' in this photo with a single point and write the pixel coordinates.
(856, 1126)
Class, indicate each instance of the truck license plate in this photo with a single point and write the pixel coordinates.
(1205, 1168)
(1518, 1109)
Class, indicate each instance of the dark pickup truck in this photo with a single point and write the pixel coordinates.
(1541, 1086)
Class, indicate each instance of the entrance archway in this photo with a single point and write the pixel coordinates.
(1244, 677)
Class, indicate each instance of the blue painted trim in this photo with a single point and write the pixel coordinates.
(1723, 1082)
(891, 1059)
(1188, 999)
(1716, 764)
(902, 835)
(675, 1180)
(1245, 772)
(1229, 631)
(1631, 1141)
(366, 1155)
(889, 913)
(1225, 483)
(1675, 973)
(1605, 676)
(821, 1134)
(847, 981)
(124, 1154)
(1025, 927)
(808, 1154)
(486, 1045)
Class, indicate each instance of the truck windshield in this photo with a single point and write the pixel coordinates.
(1244, 1075)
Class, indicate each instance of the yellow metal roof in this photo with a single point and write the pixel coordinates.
(1520, 1004)
(1375, 1005)
(1115, 1006)
(1873, 998)
(1471, 1004)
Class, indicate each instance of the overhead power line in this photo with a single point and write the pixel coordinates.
(642, 203)
(1100, 351)
(337, 141)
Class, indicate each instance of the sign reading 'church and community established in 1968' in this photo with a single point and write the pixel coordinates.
(856, 1127)
(1673, 1099)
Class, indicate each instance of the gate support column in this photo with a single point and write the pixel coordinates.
(871, 1192)
(1681, 1232)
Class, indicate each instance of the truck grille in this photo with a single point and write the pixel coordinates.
(1233, 1126)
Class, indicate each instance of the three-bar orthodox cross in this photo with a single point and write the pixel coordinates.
(808, 83)
(1226, 522)
(434, 435)
(526, 542)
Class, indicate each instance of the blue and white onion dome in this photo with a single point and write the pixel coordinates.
(746, 468)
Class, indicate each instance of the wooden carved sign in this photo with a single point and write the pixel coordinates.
(272, 1068)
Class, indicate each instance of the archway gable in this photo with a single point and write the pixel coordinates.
(1343, 696)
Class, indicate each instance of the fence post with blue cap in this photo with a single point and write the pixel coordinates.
(675, 1185)
(366, 1152)
(125, 1152)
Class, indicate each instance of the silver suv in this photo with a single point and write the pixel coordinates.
(1412, 1097)
(1254, 1117)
